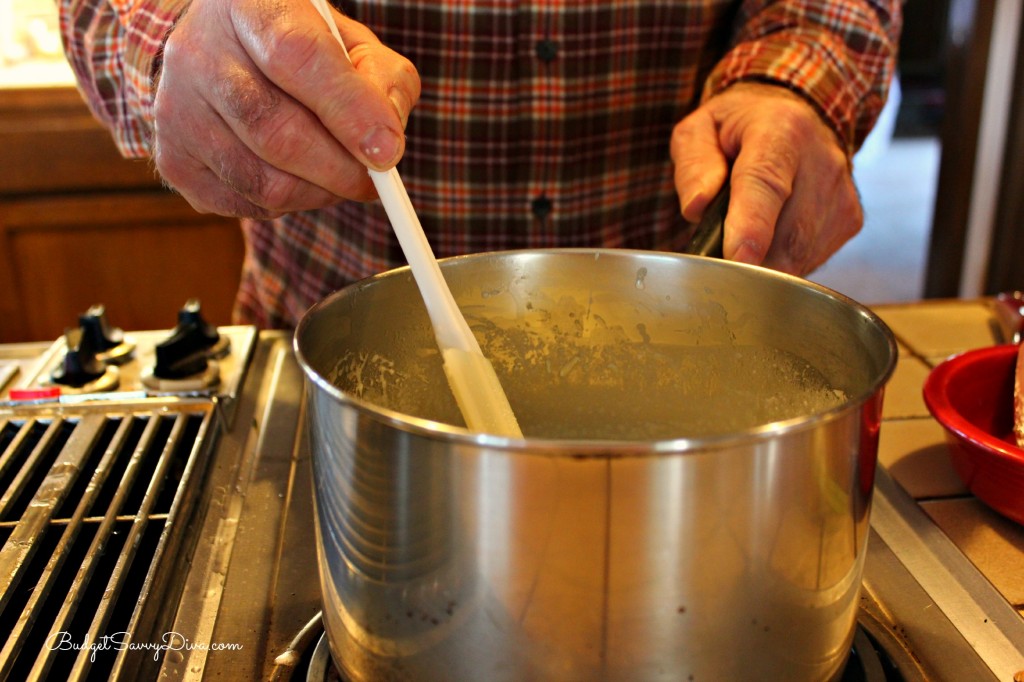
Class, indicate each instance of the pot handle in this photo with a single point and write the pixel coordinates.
(707, 238)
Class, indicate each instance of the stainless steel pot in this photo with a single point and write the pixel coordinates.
(735, 553)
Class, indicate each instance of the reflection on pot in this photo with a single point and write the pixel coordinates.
(447, 555)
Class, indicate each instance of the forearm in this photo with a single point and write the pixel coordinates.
(839, 55)
(114, 48)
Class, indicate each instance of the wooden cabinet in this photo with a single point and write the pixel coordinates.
(79, 225)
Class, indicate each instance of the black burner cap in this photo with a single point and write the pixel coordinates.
(94, 325)
(187, 351)
(80, 364)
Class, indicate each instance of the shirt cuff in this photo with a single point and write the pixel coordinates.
(812, 66)
(146, 28)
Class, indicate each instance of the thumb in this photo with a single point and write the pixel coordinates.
(294, 48)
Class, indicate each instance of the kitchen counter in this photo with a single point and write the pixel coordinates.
(913, 446)
(944, 616)
(243, 588)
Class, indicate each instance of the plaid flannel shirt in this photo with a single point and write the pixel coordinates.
(541, 123)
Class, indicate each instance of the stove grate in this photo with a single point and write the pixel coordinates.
(93, 510)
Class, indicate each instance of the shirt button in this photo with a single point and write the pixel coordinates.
(541, 207)
(546, 50)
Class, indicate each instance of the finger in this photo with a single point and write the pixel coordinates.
(218, 173)
(795, 236)
(276, 129)
(394, 75)
(700, 165)
(822, 215)
(762, 182)
(288, 138)
(291, 44)
(202, 188)
(266, 185)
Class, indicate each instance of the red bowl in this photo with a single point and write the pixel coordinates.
(971, 395)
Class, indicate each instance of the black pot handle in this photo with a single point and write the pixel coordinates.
(707, 238)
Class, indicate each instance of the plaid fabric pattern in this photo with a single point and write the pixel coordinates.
(113, 48)
(542, 123)
(840, 55)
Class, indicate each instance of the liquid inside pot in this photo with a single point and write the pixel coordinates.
(608, 389)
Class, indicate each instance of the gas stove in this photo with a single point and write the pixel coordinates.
(159, 523)
(96, 361)
(105, 437)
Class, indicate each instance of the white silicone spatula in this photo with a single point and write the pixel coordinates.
(471, 376)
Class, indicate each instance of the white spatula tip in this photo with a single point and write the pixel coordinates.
(479, 394)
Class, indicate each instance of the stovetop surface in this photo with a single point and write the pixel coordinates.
(28, 369)
(247, 586)
(928, 612)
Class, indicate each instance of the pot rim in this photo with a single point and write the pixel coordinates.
(584, 448)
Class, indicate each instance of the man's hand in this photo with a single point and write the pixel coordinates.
(793, 199)
(259, 113)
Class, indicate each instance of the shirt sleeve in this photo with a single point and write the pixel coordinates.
(840, 55)
(114, 48)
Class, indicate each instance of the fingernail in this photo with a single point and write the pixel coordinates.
(380, 147)
(398, 101)
(748, 253)
(690, 197)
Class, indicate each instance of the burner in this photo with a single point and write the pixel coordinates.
(306, 661)
(81, 370)
(296, 663)
(112, 346)
(92, 353)
(203, 379)
(321, 667)
(185, 361)
(869, 662)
